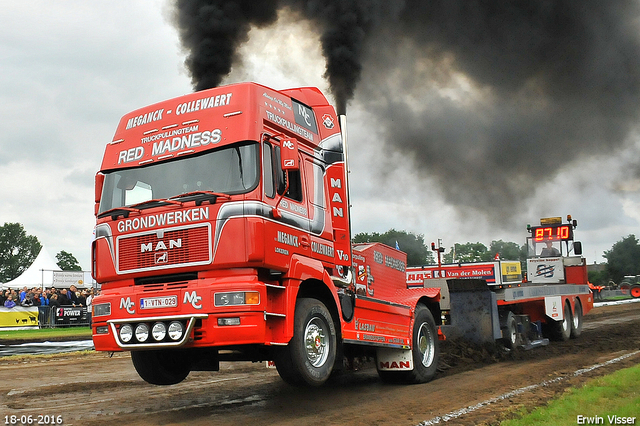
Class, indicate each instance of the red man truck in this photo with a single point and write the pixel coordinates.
(222, 233)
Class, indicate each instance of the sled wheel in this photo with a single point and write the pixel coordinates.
(309, 357)
(161, 367)
(511, 339)
(561, 330)
(576, 322)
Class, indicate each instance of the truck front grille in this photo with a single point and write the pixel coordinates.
(184, 246)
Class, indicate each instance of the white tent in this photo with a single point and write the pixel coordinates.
(40, 274)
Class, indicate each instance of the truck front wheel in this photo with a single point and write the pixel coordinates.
(309, 357)
(167, 367)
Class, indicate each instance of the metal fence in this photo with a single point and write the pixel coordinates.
(63, 316)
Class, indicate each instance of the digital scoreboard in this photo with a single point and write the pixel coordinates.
(558, 232)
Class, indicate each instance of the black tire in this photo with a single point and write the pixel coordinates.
(634, 291)
(576, 320)
(561, 330)
(425, 351)
(309, 357)
(165, 367)
(512, 338)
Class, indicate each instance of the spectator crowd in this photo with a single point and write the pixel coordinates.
(35, 296)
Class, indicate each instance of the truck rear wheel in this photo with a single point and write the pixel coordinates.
(635, 291)
(309, 357)
(561, 330)
(425, 351)
(167, 367)
(576, 322)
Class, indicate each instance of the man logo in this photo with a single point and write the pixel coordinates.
(162, 257)
(127, 304)
(161, 245)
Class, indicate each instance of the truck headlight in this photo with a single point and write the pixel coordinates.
(126, 333)
(235, 298)
(158, 331)
(175, 330)
(142, 332)
(102, 309)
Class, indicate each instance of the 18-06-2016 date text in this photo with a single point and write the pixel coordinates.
(38, 419)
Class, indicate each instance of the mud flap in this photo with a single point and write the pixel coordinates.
(389, 359)
(553, 308)
(474, 312)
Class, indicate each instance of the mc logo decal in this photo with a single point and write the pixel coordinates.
(127, 304)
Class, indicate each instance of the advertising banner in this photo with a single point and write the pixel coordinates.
(71, 315)
(19, 317)
(485, 271)
(545, 270)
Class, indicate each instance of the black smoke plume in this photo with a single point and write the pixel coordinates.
(212, 30)
(490, 98)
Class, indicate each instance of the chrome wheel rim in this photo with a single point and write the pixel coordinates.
(425, 344)
(316, 342)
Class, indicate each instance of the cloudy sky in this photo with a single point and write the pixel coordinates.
(70, 69)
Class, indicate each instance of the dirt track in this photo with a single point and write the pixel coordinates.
(94, 389)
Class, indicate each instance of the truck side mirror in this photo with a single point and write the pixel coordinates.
(289, 154)
(98, 189)
(577, 248)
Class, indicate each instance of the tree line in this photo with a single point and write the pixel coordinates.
(420, 254)
(623, 258)
(18, 251)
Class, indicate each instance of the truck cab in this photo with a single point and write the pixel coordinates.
(222, 233)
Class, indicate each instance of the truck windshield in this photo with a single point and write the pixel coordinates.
(230, 170)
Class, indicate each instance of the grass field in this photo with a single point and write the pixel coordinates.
(612, 399)
(616, 298)
(45, 333)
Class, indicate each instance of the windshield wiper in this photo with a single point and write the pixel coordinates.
(137, 208)
(200, 196)
(117, 211)
(155, 203)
